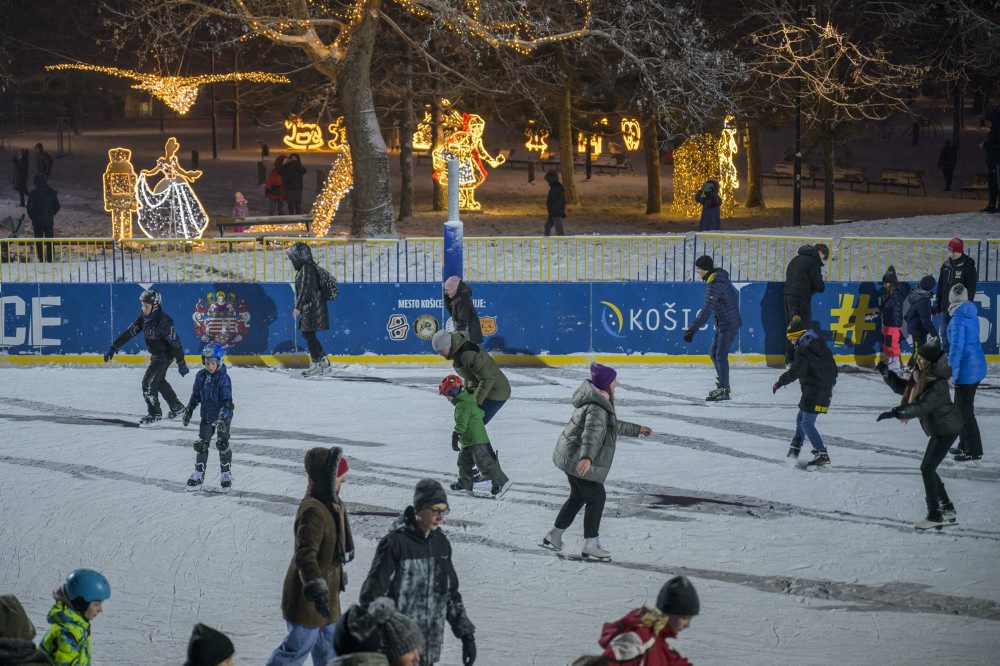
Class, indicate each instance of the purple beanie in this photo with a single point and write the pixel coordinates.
(601, 376)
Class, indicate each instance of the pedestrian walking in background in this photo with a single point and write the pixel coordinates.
(292, 172)
(43, 162)
(640, 638)
(958, 268)
(19, 176)
(711, 206)
(968, 368)
(17, 635)
(314, 286)
(43, 204)
(209, 647)
(412, 566)
(722, 300)
(992, 148)
(918, 318)
(584, 452)
(458, 302)
(947, 160)
(274, 188)
(803, 278)
(555, 204)
(77, 602)
(926, 397)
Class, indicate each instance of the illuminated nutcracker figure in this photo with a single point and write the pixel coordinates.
(119, 192)
(467, 146)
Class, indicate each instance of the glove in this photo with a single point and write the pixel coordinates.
(182, 368)
(775, 387)
(891, 414)
(317, 591)
(222, 429)
(882, 368)
(688, 336)
(110, 354)
(454, 442)
(872, 316)
(187, 417)
(468, 650)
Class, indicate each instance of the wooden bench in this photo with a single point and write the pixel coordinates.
(224, 223)
(519, 162)
(906, 178)
(852, 176)
(980, 183)
(610, 164)
(786, 171)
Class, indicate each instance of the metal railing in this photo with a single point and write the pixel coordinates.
(867, 259)
(752, 257)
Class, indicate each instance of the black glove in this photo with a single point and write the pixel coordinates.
(775, 387)
(454, 442)
(891, 414)
(688, 336)
(182, 368)
(468, 650)
(110, 354)
(318, 593)
(882, 368)
(187, 417)
(222, 429)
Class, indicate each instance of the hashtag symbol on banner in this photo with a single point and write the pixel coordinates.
(849, 320)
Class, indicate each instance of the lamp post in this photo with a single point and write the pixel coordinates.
(215, 143)
(797, 184)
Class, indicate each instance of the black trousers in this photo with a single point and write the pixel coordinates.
(934, 492)
(993, 185)
(919, 340)
(294, 200)
(312, 342)
(583, 493)
(205, 432)
(801, 307)
(948, 174)
(154, 384)
(44, 250)
(970, 439)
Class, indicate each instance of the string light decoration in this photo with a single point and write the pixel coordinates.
(119, 192)
(695, 161)
(177, 92)
(338, 135)
(302, 135)
(536, 139)
(338, 184)
(631, 133)
(596, 139)
(170, 209)
(467, 146)
(729, 180)
(423, 138)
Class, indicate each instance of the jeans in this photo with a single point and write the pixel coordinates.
(721, 344)
(315, 348)
(937, 449)
(805, 426)
(302, 641)
(583, 493)
(943, 331)
(970, 440)
(275, 207)
(154, 384)
(490, 409)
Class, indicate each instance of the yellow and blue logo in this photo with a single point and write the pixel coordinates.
(612, 319)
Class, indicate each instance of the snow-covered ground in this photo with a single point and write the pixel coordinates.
(792, 567)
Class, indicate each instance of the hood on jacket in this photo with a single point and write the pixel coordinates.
(552, 177)
(321, 467)
(41, 182)
(941, 368)
(300, 254)
(63, 614)
(588, 393)
(14, 622)
(17, 651)
(718, 276)
(806, 338)
(458, 340)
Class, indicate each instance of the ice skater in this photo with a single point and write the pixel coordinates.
(816, 371)
(213, 390)
(722, 300)
(313, 288)
(584, 452)
(473, 442)
(926, 397)
(77, 602)
(918, 317)
(894, 294)
(164, 346)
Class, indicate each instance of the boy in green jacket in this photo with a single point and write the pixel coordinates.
(78, 601)
(473, 442)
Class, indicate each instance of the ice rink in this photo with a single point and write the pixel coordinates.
(792, 567)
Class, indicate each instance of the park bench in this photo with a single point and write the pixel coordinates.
(851, 176)
(980, 183)
(610, 164)
(519, 162)
(906, 178)
(786, 171)
(304, 222)
(12, 225)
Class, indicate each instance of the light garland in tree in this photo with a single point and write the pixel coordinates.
(423, 137)
(170, 209)
(695, 161)
(120, 198)
(631, 133)
(338, 184)
(177, 92)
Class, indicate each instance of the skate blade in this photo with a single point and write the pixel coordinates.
(503, 490)
(193, 489)
(925, 525)
(593, 558)
(548, 546)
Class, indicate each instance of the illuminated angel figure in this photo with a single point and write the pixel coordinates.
(467, 146)
(170, 209)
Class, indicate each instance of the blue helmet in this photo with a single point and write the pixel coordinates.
(213, 351)
(88, 585)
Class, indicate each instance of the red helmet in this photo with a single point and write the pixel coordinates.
(450, 385)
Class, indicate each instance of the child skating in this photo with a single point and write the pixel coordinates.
(473, 442)
(213, 390)
(164, 346)
(894, 294)
(816, 371)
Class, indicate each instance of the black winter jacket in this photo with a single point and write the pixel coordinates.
(158, 330)
(43, 203)
(417, 573)
(291, 175)
(555, 202)
(962, 270)
(804, 276)
(918, 317)
(892, 309)
(816, 371)
(937, 413)
(309, 301)
(463, 313)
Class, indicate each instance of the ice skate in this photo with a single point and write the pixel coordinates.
(553, 540)
(592, 550)
(196, 479)
(948, 513)
(324, 366)
(459, 488)
(794, 449)
(820, 459)
(965, 457)
(315, 369)
(499, 491)
(148, 420)
(718, 395)
(226, 480)
(175, 412)
(934, 519)
(894, 365)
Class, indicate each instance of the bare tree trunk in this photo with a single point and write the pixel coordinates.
(956, 114)
(828, 190)
(406, 149)
(372, 194)
(566, 145)
(755, 181)
(236, 103)
(651, 148)
(437, 123)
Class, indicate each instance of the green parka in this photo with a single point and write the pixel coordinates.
(480, 372)
(469, 420)
(592, 433)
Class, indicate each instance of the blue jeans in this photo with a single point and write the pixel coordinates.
(805, 426)
(943, 331)
(721, 344)
(302, 641)
(491, 407)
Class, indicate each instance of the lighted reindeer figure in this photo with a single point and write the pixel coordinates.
(467, 146)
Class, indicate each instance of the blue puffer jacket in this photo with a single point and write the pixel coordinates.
(968, 362)
(215, 393)
(722, 300)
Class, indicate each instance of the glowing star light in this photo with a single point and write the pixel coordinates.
(631, 133)
(177, 92)
(119, 192)
(467, 146)
(170, 209)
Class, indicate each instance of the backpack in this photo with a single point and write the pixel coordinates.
(327, 284)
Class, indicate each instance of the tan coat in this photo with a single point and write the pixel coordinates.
(315, 557)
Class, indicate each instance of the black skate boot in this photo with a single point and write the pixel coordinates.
(175, 412)
(719, 395)
(948, 513)
(820, 459)
(458, 487)
(794, 448)
(196, 479)
(148, 420)
(934, 520)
